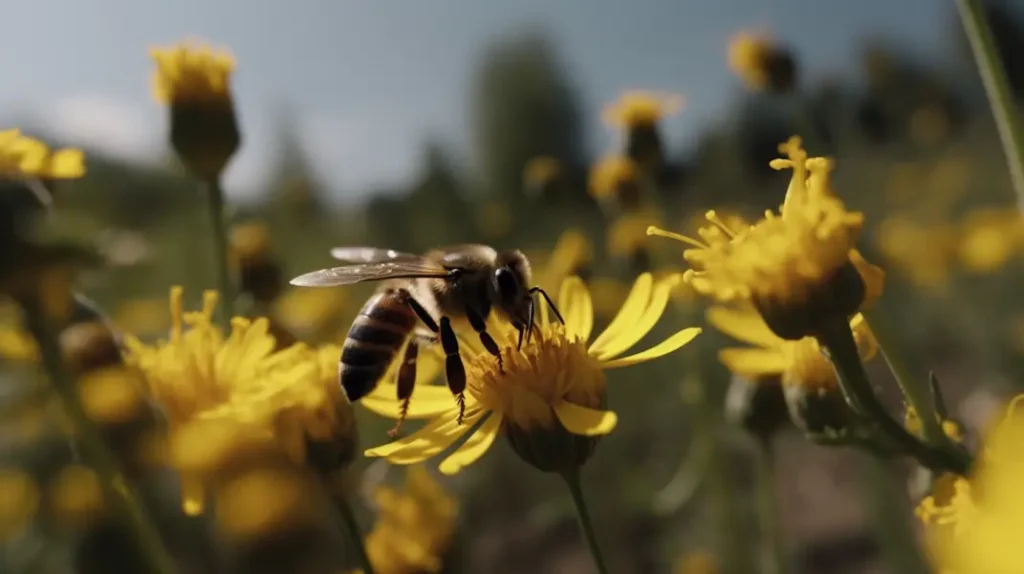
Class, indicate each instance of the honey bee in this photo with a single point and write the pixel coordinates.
(420, 298)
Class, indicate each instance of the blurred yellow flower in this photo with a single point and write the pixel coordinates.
(989, 238)
(19, 501)
(799, 363)
(924, 252)
(250, 241)
(142, 316)
(191, 72)
(640, 109)
(111, 395)
(613, 176)
(414, 527)
(571, 255)
(198, 375)
(795, 266)
(975, 524)
(627, 233)
(311, 312)
(552, 391)
(748, 55)
(22, 156)
(76, 496)
(696, 563)
(266, 500)
(540, 172)
(17, 345)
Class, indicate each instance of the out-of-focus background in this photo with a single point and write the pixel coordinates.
(414, 125)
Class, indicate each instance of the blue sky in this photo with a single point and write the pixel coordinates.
(370, 80)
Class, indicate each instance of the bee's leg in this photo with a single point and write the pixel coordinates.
(480, 326)
(454, 370)
(406, 382)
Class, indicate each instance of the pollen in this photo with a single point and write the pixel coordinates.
(551, 369)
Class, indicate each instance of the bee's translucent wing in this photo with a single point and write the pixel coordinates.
(380, 271)
(370, 255)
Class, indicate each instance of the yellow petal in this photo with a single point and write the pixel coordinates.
(422, 405)
(473, 448)
(663, 348)
(576, 308)
(585, 421)
(428, 441)
(753, 362)
(635, 304)
(744, 324)
(628, 334)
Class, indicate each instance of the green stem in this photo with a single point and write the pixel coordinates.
(837, 338)
(218, 229)
(1000, 96)
(916, 393)
(773, 559)
(572, 479)
(355, 535)
(686, 481)
(115, 485)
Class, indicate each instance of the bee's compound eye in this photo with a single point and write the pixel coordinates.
(506, 284)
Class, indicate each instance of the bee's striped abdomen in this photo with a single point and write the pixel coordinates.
(378, 332)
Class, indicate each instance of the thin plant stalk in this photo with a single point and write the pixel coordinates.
(572, 479)
(772, 553)
(913, 388)
(218, 229)
(997, 86)
(837, 339)
(115, 484)
(352, 531)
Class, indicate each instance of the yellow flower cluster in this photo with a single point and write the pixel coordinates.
(216, 389)
(22, 156)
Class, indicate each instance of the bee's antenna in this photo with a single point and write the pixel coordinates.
(550, 303)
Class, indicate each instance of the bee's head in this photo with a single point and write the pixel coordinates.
(511, 283)
(513, 293)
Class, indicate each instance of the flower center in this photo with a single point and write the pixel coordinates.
(551, 368)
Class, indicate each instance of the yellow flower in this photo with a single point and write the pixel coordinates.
(193, 81)
(250, 241)
(76, 496)
(17, 345)
(216, 389)
(22, 156)
(799, 363)
(638, 109)
(191, 72)
(614, 176)
(794, 266)
(975, 525)
(414, 526)
(551, 392)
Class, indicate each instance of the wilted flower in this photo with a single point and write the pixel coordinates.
(216, 390)
(808, 379)
(760, 63)
(22, 157)
(414, 527)
(797, 267)
(974, 523)
(193, 80)
(549, 399)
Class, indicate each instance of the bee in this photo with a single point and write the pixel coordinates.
(420, 298)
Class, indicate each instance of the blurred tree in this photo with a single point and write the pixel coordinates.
(294, 184)
(523, 107)
(437, 207)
